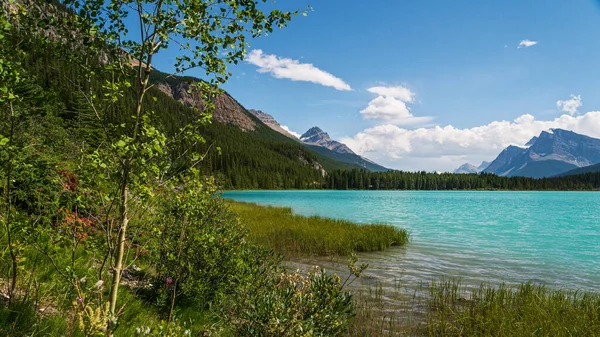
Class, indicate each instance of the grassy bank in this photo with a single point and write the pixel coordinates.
(279, 229)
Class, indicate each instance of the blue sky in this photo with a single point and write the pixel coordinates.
(447, 74)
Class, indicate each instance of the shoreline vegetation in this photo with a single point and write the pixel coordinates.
(449, 308)
(292, 235)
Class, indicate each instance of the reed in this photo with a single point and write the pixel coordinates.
(448, 308)
(525, 310)
(294, 235)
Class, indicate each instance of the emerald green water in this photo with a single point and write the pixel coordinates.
(548, 237)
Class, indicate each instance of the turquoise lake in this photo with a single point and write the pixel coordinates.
(551, 238)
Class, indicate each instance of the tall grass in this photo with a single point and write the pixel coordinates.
(385, 310)
(526, 310)
(294, 235)
(448, 308)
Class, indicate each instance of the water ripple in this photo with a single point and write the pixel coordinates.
(550, 237)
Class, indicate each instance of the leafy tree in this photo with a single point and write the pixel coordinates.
(14, 148)
(124, 37)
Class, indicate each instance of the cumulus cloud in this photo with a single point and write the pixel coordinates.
(445, 148)
(391, 106)
(402, 93)
(571, 105)
(527, 44)
(286, 128)
(294, 70)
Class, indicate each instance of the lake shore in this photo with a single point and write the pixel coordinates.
(386, 305)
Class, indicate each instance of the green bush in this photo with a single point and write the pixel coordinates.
(196, 245)
(202, 259)
(292, 304)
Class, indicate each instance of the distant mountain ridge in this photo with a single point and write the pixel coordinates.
(320, 142)
(468, 168)
(551, 153)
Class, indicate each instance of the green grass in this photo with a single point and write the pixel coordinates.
(448, 308)
(292, 235)
(526, 310)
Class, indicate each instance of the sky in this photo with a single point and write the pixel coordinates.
(429, 84)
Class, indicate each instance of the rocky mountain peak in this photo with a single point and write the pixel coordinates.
(466, 168)
(552, 152)
(469, 168)
(316, 136)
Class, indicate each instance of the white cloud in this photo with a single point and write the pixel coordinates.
(571, 105)
(293, 70)
(286, 128)
(402, 93)
(446, 148)
(526, 43)
(390, 106)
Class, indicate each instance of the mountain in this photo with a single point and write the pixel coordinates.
(316, 136)
(531, 141)
(468, 168)
(581, 170)
(241, 151)
(269, 121)
(348, 158)
(227, 110)
(249, 135)
(327, 153)
(319, 141)
(551, 153)
(505, 162)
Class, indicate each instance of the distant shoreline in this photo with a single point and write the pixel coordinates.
(409, 190)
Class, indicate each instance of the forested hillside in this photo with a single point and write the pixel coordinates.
(255, 157)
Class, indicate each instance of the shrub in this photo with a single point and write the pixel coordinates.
(196, 246)
(292, 304)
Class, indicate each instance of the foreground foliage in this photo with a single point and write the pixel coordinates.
(98, 195)
(290, 234)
